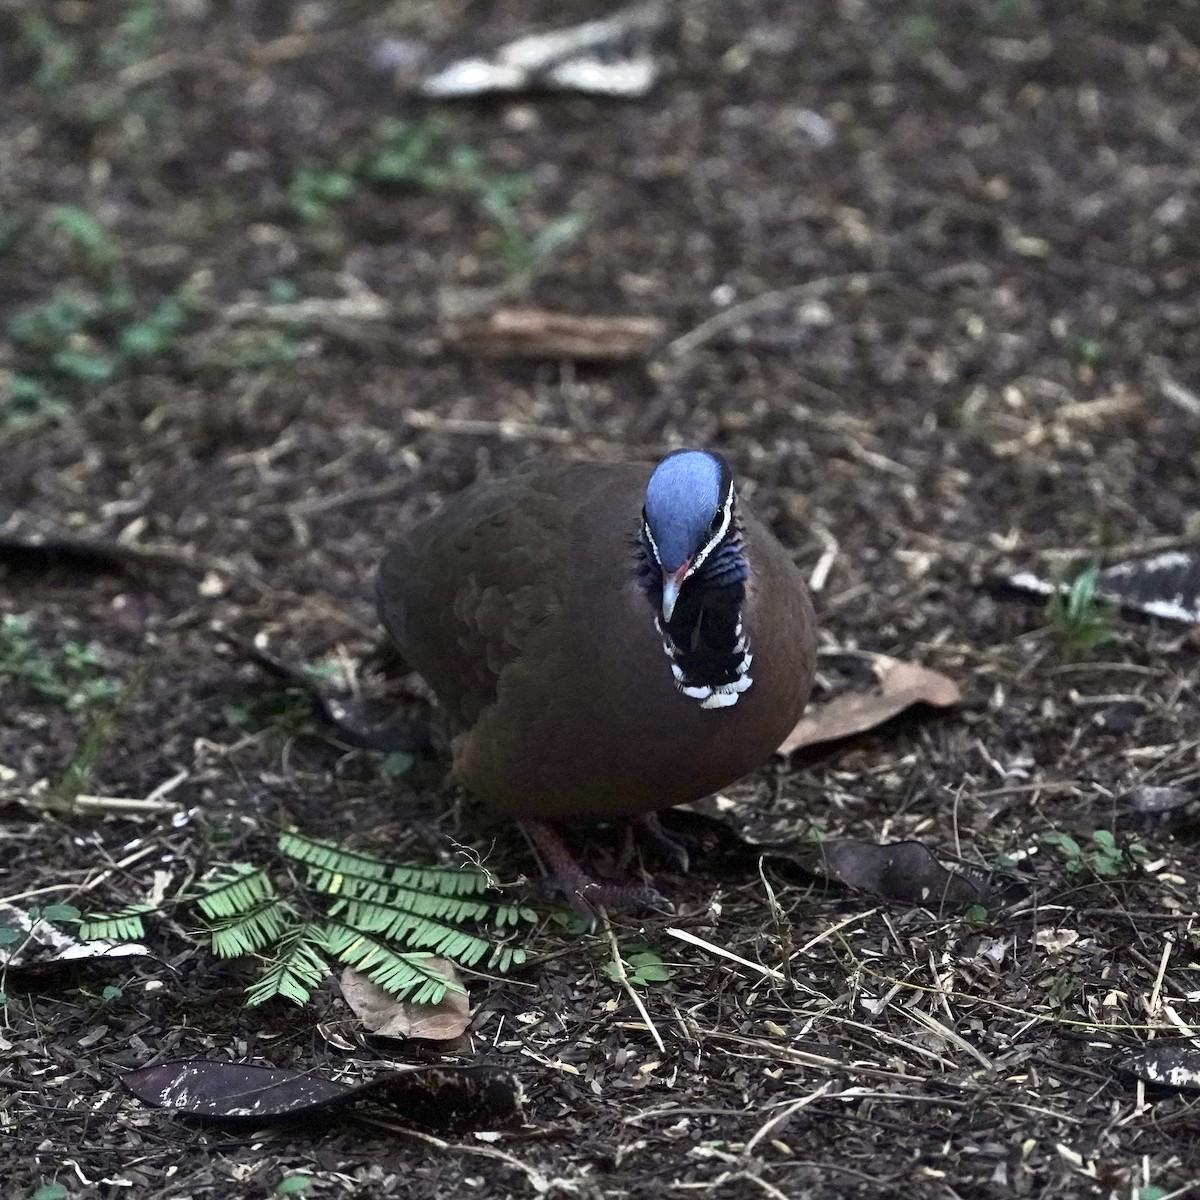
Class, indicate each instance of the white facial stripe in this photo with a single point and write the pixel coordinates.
(715, 540)
(653, 543)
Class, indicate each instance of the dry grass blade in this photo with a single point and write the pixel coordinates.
(542, 333)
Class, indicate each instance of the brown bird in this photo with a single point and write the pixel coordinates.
(604, 640)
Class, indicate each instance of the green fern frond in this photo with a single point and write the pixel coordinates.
(510, 915)
(384, 918)
(351, 864)
(412, 929)
(124, 925)
(409, 902)
(504, 958)
(405, 976)
(247, 933)
(295, 969)
(240, 889)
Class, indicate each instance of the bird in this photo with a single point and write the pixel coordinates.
(603, 640)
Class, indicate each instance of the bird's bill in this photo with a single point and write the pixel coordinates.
(672, 582)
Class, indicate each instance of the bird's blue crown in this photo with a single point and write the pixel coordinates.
(683, 498)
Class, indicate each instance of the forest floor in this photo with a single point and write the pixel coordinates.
(928, 276)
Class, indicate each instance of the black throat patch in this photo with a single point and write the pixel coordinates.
(705, 643)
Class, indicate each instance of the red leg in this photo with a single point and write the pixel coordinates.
(582, 892)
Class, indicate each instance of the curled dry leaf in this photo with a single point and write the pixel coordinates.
(904, 871)
(1054, 940)
(1164, 585)
(609, 56)
(437, 1097)
(385, 1016)
(1149, 798)
(1167, 1062)
(901, 685)
(541, 333)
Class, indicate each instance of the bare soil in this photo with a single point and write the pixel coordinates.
(965, 238)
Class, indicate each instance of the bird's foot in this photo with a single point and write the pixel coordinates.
(582, 892)
(673, 847)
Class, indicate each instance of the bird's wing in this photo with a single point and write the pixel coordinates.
(463, 593)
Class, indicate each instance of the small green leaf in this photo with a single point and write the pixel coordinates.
(50, 1191)
(398, 763)
(293, 1185)
(61, 912)
(111, 993)
(1065, 842)
(9, 936)
(282, 291)
(86, 234)
(92, 369)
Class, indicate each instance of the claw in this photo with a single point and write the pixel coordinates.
(677, 849)
(582, 892)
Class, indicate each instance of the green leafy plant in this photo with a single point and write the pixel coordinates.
(1100, 857)
(72, 675)
(135, 35)
(75, 343)
(422, 157)
(317, 188)
(343, 906)
(57, 53)
(643, 968)
(85, 235)
(1081, 618)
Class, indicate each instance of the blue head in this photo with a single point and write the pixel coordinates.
(688, 512)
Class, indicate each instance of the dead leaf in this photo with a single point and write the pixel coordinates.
(1149, 798)
(27, 944)
(437, 1097)
(541, 333)
(1167, 1062)
(606, 56)
(385, 1016)
(901, 685)
(1164, 585)
(908, 872)
(1054, 940)
(904, 871)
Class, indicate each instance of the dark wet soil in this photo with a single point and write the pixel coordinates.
(929, 275)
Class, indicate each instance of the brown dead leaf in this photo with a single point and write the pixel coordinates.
(906, 871)
(385, 1016)
(542, 333)
(901, 685)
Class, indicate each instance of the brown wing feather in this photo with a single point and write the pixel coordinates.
(461, 593)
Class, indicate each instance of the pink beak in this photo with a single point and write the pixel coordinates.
(672, 582)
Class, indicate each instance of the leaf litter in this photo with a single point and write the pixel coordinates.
(383, 1015)
(437, 1097)
(900, 686)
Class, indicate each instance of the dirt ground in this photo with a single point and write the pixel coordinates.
(929, 275)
